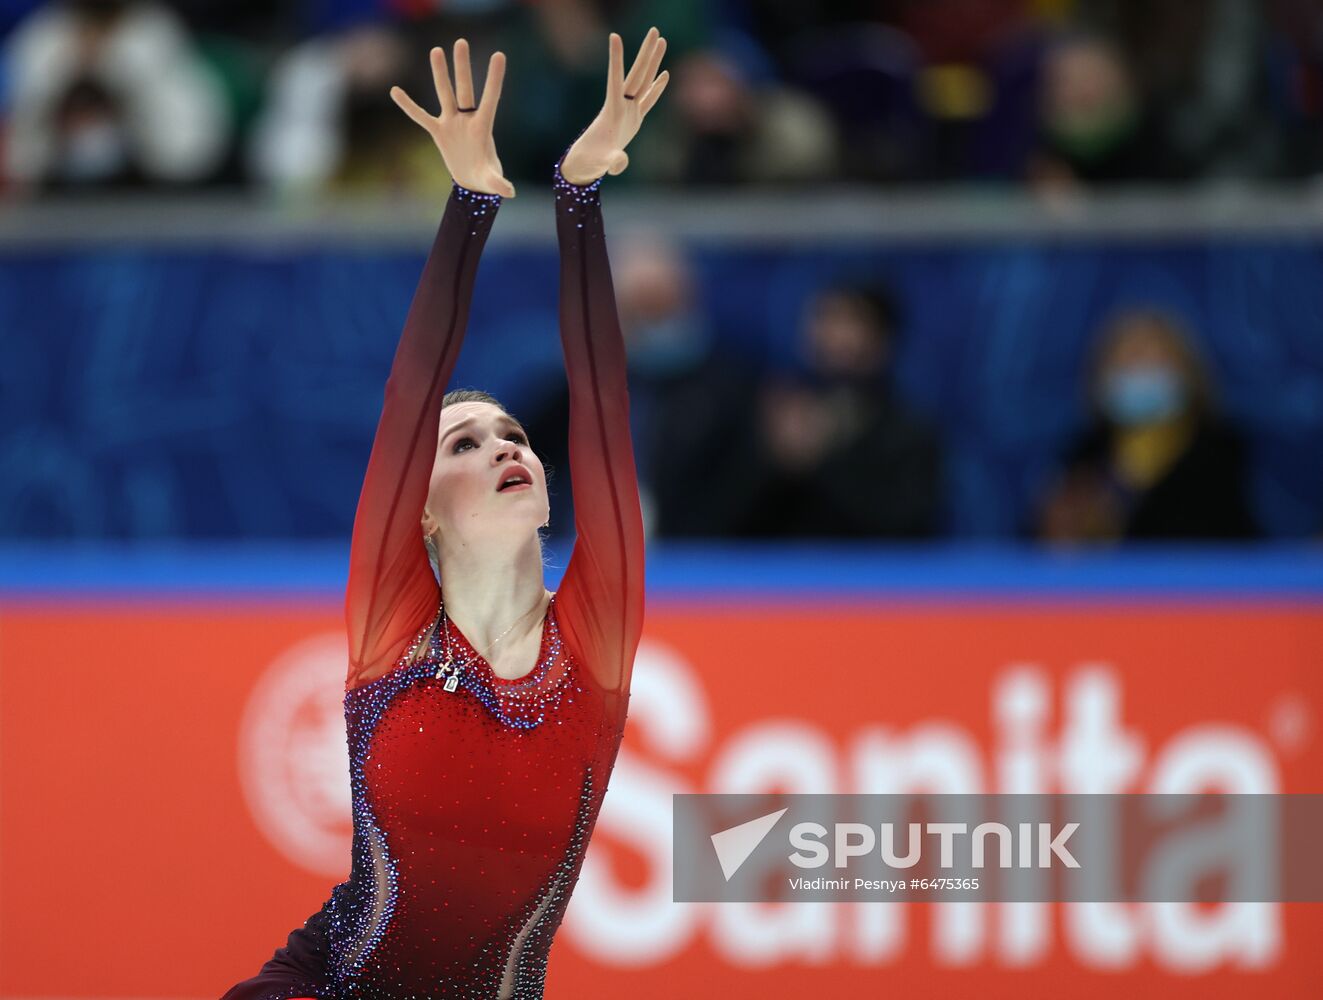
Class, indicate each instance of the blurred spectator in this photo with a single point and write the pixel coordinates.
(1094, 125)
(837, 454)
(725, 121)
(329, 123)
(1200, 67)
(689, 404)
(1155, 462)
(109, 92)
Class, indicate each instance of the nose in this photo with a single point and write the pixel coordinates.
(508, 450)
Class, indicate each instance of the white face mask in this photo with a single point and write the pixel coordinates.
(1143, 394)
(93, 152)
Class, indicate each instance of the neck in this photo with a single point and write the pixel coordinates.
(487, 589)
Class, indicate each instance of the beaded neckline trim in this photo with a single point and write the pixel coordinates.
(522, 702)
(466, 654)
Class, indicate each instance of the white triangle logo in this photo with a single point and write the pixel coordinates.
(733, 846)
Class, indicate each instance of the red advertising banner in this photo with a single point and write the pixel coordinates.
(174, 790)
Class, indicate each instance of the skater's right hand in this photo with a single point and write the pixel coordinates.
(464, 137)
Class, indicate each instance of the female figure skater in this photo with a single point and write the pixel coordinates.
(484, 715)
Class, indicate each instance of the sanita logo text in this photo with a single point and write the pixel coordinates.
(1041, 730)
(990, 844)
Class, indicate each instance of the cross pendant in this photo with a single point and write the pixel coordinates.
(452, 682)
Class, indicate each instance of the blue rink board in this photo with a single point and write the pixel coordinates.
(729, 572)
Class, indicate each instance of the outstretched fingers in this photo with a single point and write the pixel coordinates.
(654, 92)
(654, 61)
(601, 146)
(636, 79)
(465, 141)
(441, 79)
(491, 87)
(411, 108)
(615, 70)
(463, 76)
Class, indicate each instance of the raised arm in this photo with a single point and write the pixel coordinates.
(391, 593)
(601, 594)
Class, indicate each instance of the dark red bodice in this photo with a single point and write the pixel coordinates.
(472, 811)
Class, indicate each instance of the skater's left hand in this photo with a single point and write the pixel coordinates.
(601, 148)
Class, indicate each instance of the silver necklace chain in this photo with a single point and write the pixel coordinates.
(453, 669)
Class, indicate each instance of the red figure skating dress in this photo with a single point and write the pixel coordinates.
(473, 806)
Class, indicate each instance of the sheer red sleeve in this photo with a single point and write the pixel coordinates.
(600, 600)
(391, 593)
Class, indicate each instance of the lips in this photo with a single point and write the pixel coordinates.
(513, 477)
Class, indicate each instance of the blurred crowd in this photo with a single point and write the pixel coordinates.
(828, 448)
(291, 95)
(822, 449)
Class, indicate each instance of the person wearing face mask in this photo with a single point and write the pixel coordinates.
(689, 397)
(1156, 461)
(108, 93)
(92, 148)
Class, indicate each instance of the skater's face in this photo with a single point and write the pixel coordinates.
(479, 447)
